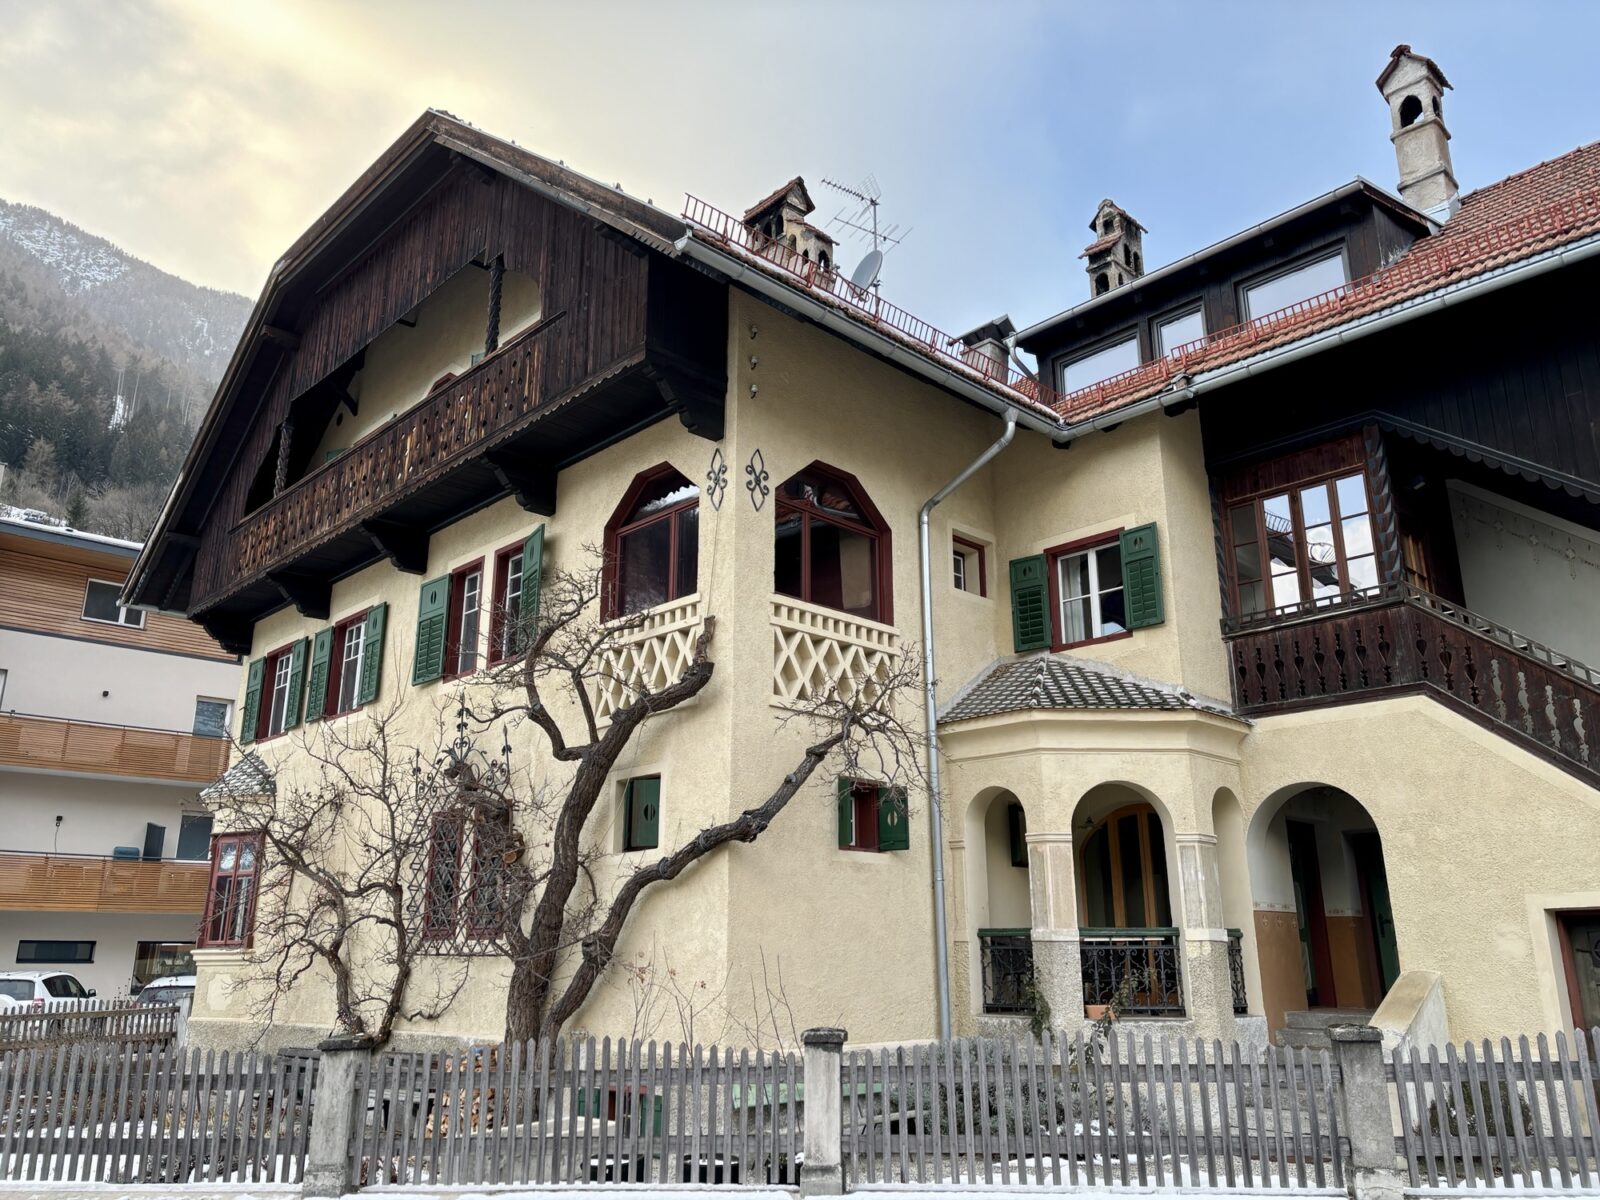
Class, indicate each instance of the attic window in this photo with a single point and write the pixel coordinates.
(1410, 111)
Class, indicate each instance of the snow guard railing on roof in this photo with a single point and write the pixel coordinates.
(1431, 264)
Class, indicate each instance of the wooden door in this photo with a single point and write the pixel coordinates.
(1306, 871)
(1580, 947)
(1374, 878)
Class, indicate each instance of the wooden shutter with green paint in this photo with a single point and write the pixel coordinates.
(1141, 577)
(372, 655)
(251, 715)
(297, 682)
(1017, 834)
(532, 578)
(894, 819)
(643, 827)
(433, 614)
(847, 813)
(317, 680)
(1030, 604)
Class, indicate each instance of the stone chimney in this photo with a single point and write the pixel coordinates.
(1117, 253)
(986, 348)
(782, 217)
(1414, 87)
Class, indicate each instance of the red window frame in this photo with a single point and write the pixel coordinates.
(875, 528)
(330, 701)
(441, 911)
(269, 675)
(620, 526)
(1052, 556)
(216, 918)
(864, 799)
(983, 563)
(456, 615)
(499, 617)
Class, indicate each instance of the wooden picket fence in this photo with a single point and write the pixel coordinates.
(577, 1112)
(1500, 1117)
(1114, 1112)
(62, 1022)
(163, 1114)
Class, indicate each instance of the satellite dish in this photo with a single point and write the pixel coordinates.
(866, 273)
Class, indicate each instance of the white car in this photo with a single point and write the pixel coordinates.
(39, 988)
(169, 989)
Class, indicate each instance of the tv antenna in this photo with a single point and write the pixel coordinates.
(861, 219)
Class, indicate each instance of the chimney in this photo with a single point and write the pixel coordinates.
(782, 218)
(987, 349)
(1116, 255)
(1414, 87)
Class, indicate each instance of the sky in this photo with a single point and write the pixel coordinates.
(206, 135)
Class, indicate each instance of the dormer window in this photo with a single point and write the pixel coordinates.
(1102, 364)
(1290, 287)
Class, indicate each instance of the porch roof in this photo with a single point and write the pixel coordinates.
(249, 776)
(1063, 681)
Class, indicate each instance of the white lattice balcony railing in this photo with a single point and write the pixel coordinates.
(816, 650)
(649, 657)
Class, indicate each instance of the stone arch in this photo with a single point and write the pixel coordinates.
(1233, 870)
(1141, 896)
(998, 900)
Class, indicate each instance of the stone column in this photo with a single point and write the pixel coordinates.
(1368, 1122)
(327, 1171)
(1053, 898)
(822, 1173)
(1207, 980)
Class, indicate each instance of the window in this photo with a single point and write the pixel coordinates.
(282, 673)
(345, 655)
(486, 908)
(518, 572)
(194, 837)
(442, 889)
(969, 567)
(157, 960)
(653, 542)
(1122, 872)
(1087, 590)
(1310, 544)
(55, 952)
(100, 604)
(231, 906)
(466, 618)
(641, 813)
(65, 987)
(1292, 286)
(1180, 330)
(872, 816)
(1017, 834)
(831, 546)
(1102, 364)
(274, 687)
(211, 717)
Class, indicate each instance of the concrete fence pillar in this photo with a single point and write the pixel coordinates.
(823, 1171)
(334, 1105)
(1368, 1121)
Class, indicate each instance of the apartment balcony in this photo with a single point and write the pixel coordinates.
(88, 748)
(817, 651)
(1400, 639)
(90, 883)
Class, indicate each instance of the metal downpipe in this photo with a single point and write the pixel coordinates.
(931, 715)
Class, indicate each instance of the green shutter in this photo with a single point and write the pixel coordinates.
(297, 682)
(894, 819)
(251, 715)
(1030, 604)
(1017, 831)
(1141, 577)
(532, 580)
(317, 680)
(847, 812)
(432, 618)
(372, 655)
(643, 830)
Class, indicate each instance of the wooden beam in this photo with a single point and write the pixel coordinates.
(403, 546)
(283, 338)
(310, 595)
(232, 633)
(699, 402)
(530, 480)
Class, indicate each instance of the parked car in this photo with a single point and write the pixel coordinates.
(169, 989)
(39, 988)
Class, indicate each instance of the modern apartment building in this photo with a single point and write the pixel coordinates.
(111, 721)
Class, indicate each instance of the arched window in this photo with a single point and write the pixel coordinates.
(831, 546)
(1102, 283)
(1122, 871)
(1410, 111)
(653, 542)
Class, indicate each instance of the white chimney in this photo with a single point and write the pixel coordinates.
(1414, 87)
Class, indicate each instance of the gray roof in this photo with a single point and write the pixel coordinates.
(249, 776)
(1060, 681)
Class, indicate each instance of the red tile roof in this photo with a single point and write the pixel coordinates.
(1099, 244)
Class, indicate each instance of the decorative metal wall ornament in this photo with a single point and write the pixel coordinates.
(756, 481)
(717, 479)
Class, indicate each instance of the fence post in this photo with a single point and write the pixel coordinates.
(822, 1174)
(334, 1104)
(1364, 1096)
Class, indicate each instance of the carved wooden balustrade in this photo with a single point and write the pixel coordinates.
(1400, 639)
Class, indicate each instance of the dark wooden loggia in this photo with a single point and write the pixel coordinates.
(1401, 639)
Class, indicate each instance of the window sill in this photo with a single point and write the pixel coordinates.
(1057, 647)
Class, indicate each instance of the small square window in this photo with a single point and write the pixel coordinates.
(970, 572)
(872, 816)
(211, 717)
(641, 813)
(101, 603)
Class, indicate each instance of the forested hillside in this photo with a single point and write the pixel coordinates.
(106, 365)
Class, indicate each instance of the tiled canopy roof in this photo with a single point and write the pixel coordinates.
(249, 776)
(1057, 681)
(1100, 244)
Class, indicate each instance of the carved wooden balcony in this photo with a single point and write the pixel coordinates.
(1402, 639)
(90, 883)
(89, 748)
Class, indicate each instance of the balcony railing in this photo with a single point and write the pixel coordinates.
(52, 744)
(1007, 969)
(1241, 998)
(1132, 971)
(817, 650)
(1400, 638)
(651, 655)
(89, 883)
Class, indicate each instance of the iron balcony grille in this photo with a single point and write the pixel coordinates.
(1241, 1001)
(1007, 969)
(1132, 971)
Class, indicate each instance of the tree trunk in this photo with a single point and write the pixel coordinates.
(523, 1017)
